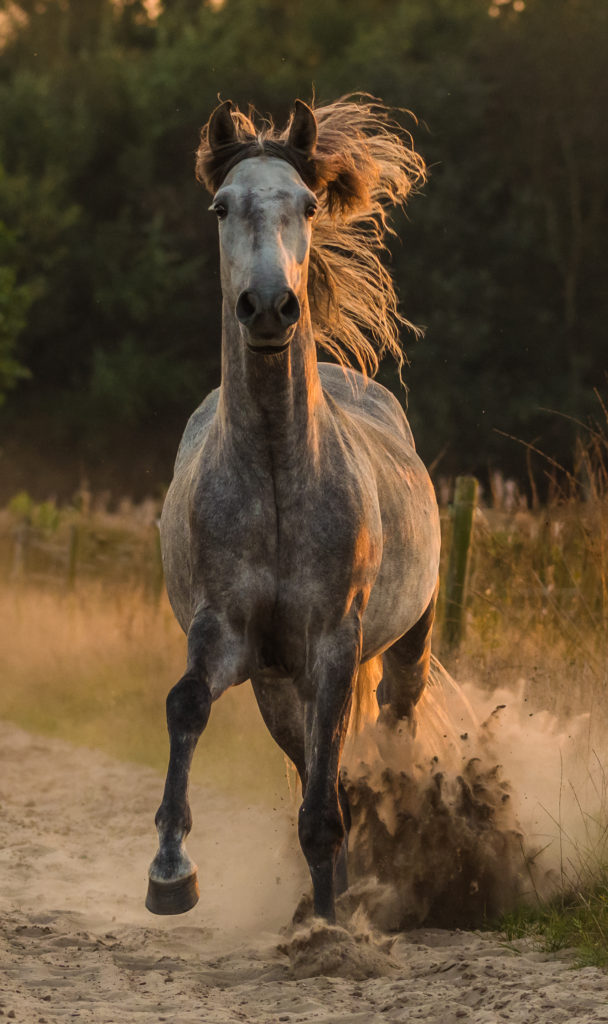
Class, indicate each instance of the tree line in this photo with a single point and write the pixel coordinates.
(109, 290)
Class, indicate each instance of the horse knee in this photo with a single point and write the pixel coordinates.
(321, 832)
(188, 706)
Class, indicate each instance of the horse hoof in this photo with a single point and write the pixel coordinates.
(174, 897)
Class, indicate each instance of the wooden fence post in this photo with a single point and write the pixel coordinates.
(465, 500)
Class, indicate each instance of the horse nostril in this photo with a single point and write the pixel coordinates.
(288, 308)
(247, 307)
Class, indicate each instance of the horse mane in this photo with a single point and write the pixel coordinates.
(363, 163)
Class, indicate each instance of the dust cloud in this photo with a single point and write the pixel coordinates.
(487, 803)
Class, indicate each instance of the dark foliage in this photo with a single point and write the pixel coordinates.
(109, 293)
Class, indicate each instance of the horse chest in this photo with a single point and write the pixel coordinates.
(234, 545)
(287, 555)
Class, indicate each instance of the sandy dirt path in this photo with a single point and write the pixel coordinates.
(76, 943)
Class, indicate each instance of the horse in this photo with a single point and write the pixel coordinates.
(300, 533)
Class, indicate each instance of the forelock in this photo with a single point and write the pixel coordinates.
(213, 166)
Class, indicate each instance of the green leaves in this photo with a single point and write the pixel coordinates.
(14, 303)
(15, 300)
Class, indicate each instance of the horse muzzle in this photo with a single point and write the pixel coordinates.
(269, 319)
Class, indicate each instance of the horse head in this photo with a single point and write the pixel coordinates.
(265, 212)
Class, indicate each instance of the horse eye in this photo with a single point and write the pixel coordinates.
(219, 210)
(311, 209)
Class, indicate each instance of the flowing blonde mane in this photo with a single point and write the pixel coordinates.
(363, 163)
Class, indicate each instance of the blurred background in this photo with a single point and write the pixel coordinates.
(109, 290)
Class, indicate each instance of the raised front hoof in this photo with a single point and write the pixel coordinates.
(174, 897)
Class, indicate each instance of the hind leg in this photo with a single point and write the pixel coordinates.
(406, 670)
(284, 713)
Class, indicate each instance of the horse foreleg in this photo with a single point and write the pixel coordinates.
(173, 883)
(322, 825)
(284, 713)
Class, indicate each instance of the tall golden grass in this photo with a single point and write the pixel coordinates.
(94, 666)
(538, 588)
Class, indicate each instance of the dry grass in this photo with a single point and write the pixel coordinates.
(538, 594)
(94, 667)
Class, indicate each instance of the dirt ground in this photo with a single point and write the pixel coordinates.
(77, 944)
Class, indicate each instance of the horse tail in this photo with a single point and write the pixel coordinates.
(365, 705)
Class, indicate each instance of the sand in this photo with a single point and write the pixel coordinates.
(77, 944)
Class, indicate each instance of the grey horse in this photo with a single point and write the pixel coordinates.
(300, 534)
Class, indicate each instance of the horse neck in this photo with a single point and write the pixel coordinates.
(270, 405)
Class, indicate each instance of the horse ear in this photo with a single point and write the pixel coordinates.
(222, 129)
(303, 129)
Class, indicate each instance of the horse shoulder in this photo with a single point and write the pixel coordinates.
(196, 429)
